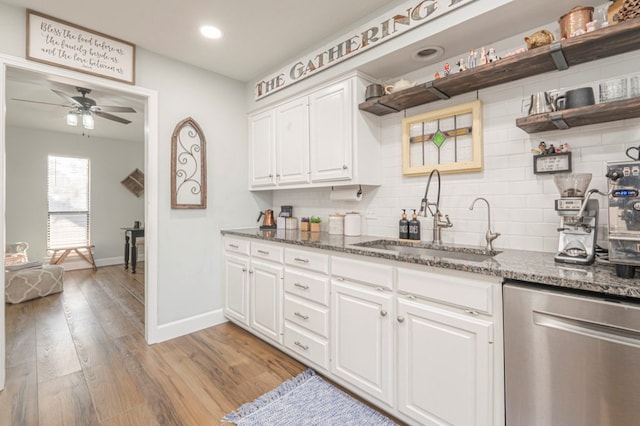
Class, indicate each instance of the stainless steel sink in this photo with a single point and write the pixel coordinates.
(407, 249)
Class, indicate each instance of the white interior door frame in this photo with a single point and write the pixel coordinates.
(150, 190)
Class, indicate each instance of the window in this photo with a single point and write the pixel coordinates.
(68, 199)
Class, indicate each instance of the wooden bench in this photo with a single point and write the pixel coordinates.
(88, 257)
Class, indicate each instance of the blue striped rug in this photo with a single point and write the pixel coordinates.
(306, 400)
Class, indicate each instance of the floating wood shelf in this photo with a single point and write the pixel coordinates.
(613, 40)
(575, 117)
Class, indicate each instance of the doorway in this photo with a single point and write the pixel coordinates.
(16, 68)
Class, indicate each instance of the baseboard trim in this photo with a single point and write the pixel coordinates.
(188, 325)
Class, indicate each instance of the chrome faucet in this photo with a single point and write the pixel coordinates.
(489, 236)
(425, 206)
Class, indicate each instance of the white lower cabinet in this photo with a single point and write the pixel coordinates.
(266, 299)
(362, 337)
(444, 365)
(424, 344)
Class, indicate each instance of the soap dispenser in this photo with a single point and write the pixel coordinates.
(404, 226)
(414, 227)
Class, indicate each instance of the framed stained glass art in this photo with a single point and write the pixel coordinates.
(448, 139)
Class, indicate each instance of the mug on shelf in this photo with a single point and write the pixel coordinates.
(575, 98)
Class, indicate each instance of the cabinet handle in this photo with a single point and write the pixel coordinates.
(344, 167)
(400, 319)
(300, 345)
(411, 297)
(379, 288)
(339, 279)
(302, 286)
(299, 315)
(299, 259)
(383, 313)
(235, 246)
(470, 312)
(264, 252)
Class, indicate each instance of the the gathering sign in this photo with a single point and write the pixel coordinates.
(393, 23)
(56, 42)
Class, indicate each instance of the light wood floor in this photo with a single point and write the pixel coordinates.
(79, 358)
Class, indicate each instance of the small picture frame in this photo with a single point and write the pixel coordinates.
(552, 163)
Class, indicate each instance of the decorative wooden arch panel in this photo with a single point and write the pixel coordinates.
(188, 166)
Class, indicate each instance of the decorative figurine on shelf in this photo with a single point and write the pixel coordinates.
(483, 56)
(447, 68)
(550, 150)
(436, 75)
(492, 56)
(461, 65)
(471, 60)
(563, 148)
(542, 149)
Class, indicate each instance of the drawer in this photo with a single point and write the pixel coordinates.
(307, 259)
(267, 251)
(314, 287)
(377, 274)
(236, 245)
(450, 287)
(312, 317)
(313, 348)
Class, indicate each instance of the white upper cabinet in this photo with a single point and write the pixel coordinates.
(262, 149)
(331, 126)
(318, 138)
(292, 142)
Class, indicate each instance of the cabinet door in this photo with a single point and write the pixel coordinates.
(292, 142)
(331, 130)
(262, 146)
(236, 288)
(444, 366)
(266, 299)
(362, 339)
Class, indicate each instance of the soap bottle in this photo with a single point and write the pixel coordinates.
(414, 227)
(404, 226)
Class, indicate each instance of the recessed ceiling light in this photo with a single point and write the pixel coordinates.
(209, 31)
(427, 53)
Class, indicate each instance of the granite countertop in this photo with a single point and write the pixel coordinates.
(522, 265)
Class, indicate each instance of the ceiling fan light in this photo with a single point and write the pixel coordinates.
(87, 121)
(72, 119)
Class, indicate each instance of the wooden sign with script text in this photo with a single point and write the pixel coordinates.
(56, 42)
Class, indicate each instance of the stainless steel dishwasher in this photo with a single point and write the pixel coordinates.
(570, 359)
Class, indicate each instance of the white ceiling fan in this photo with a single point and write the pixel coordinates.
(86, 108)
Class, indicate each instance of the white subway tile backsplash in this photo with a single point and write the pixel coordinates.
(522, 203)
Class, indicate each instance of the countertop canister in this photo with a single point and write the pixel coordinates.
(336, 224)
(352, 224)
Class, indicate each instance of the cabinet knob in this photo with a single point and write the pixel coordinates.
(270, 175)
(250, 271)
(383, 313)
(344, 167)
(400, 319)
(244, 269)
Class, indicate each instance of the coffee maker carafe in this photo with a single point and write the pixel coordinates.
(268, 222)
(578, 219)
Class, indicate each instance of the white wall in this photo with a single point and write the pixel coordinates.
(112, 205)
(522, 202)
(189, 244)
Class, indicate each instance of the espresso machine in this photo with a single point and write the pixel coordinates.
(624, 216)
(578, 219)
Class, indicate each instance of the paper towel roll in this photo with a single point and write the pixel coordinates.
(345, 194)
